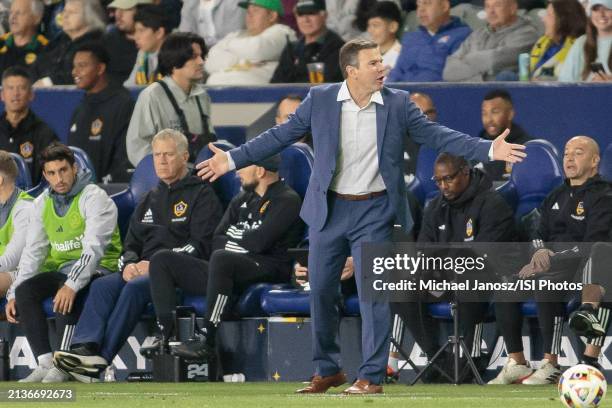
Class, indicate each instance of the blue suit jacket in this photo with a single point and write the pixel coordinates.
(319, 114)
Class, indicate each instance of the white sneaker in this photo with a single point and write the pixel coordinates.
(546, 374)
(55, 376)
(512, 373)
(36, 376)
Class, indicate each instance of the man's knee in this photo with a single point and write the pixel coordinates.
(161, 261)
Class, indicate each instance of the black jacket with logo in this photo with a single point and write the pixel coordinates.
(181, 217)
(28, 139)
(12, 55)
(263, 227)
(573, 214)
(479, 214)
(98, 126)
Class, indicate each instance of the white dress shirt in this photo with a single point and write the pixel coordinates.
(357, 161)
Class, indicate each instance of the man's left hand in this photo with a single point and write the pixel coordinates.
(508, 152)
(64, 300)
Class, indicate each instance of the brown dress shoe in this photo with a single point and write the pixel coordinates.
(319, 385)
(362, 387)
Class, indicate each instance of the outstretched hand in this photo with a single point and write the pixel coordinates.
(214, 167)
(508, 152)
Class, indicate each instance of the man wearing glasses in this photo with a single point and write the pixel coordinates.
(468, 209)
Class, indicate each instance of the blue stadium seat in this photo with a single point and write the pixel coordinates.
(351, 306)
(296, 165)
(605, 166)
(529, 309)
(249, 304)
(422, 186)
(142, 181)
(290, 302)
(532, 179)
(24, 178)
(228, 185)
(83, 162)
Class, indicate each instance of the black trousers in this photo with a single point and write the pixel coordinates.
(225, 275)
(425, 329)
(28, 299)
(551, 313)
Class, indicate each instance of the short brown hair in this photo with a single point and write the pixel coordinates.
(8, 167)
(56, 151)
(350, 51)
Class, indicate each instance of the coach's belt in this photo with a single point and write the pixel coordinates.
(358, 197)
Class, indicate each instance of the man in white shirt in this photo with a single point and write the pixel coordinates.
(249, 57)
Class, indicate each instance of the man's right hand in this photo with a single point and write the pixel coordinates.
(130, 272)
(301, 273)
(214, 167)
(11, 311)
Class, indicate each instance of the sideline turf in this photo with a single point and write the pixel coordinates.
(277, 395)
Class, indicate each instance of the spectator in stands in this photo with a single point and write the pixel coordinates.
(62, 258)
(317, 44)
(592, 319)
(595, 47)
(491, 52)
(22, 44)
(564, 21)
(178, 217)
(384, 22)
(21, 130)
(249, 57)
(467, 209)
(497, 115)
(425, 51)
(250, 247)
(179, 101)
(82, 21)
(349, 18)
(411, 149)
(580, 210)
(119, 39)
(211, 19)
(151, 27)
(15, 211)
(100, 121)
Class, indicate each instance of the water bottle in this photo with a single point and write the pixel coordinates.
(523, 63)
(5, 366)
(109, 374)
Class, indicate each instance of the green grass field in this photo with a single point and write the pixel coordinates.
(277, 395)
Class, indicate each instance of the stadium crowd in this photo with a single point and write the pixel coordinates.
(181, 236)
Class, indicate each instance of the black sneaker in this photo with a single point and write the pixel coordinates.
(592, 362)
(196, 349)
(584, 323)
(158, 346)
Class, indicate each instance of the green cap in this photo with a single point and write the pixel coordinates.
(274, 5)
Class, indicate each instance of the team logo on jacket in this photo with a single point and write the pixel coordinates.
(180, 208)
(469, 230)
(444, 40)
(579, 216)
(96, 129)
(30, 57)
(264, 207)
(26, 149)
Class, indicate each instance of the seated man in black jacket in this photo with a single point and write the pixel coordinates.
(251, 245)
(467, 210)
(578, 211)
(318, 44)
(179, 217)
(100, 121)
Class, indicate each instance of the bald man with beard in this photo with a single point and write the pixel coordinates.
(578, 211)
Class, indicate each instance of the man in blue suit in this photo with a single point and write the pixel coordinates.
(355, 195)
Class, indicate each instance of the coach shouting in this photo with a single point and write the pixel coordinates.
(356, 193)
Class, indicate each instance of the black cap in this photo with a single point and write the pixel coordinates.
(271, 163)
(309, 6)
